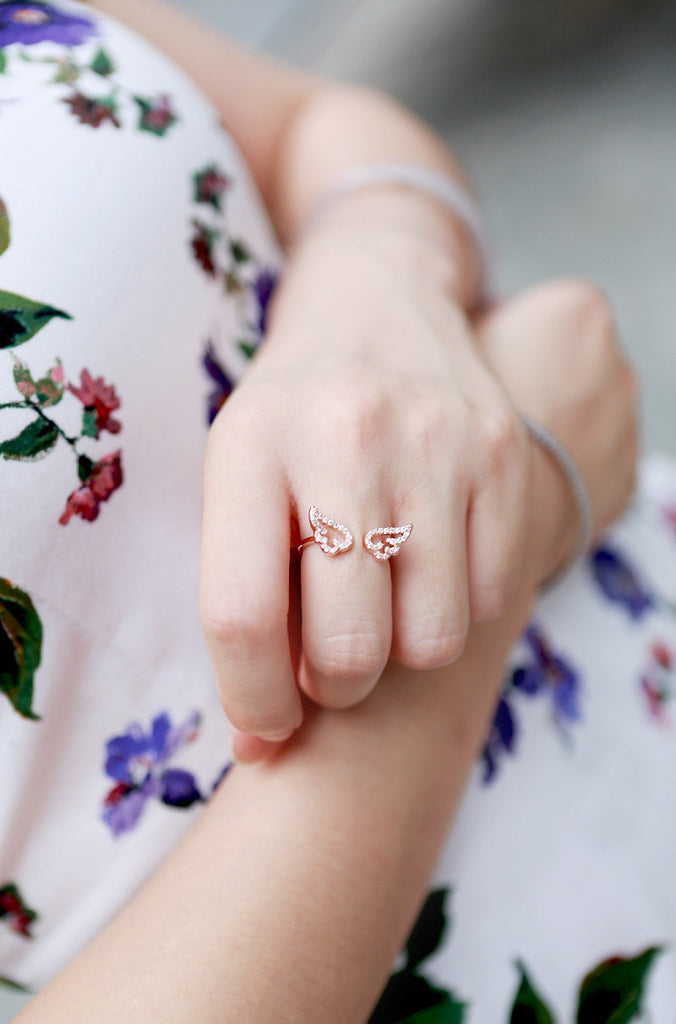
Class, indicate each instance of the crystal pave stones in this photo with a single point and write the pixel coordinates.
(334, 538)
(341, 539)
(385, 541)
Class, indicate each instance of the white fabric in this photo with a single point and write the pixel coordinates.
(563, 859)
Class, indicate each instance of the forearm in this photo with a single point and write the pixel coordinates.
(305, 871)
(298, 132)
(300, 874)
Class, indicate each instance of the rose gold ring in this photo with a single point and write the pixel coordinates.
(339, 541)
(383, 543)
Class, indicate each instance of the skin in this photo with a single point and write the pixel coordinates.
(368, 398)
(309, 869)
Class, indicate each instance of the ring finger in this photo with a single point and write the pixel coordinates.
(346, 605)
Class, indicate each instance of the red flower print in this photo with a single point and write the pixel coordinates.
(157, 116)
(19, 917)
(100, 400)
(202, 244)
(103, 479)
(91, 111)
(209, 186)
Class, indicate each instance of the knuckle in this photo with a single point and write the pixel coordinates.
(246, 421)
(351, 657)
(586, 310)
(429, 425)
(593, 314)
(354, 410)
(491, 599)
(503, 438)
(432, 650)
(234, 629)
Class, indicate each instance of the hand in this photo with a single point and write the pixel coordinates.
(556, 350)
(368, 398)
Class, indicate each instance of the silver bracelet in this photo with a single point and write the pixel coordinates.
(577, 485)
(423, 179)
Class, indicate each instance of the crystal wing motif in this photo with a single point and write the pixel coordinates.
(332, 545)
(386, 541)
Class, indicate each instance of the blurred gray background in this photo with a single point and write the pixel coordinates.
(565, 113)
(563, 110)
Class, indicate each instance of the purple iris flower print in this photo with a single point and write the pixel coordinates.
(549, 671)
(501, 739)
(542, 672)
(31, 22)
(137, 762)
(223, 385)
(263, 287)
(620, 582)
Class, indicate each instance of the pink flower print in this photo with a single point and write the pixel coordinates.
(657, 681)
(156, 115)
(209, 186)
(101, 479)
(100, 401)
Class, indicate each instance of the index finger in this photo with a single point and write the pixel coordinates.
(244, 580)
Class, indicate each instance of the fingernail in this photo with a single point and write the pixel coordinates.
(250, 749)
(280, 737)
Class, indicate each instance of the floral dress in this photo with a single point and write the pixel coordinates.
(136, 265)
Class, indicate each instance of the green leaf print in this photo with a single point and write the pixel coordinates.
(239, 251)
(407, 995)
(409, 998)
(3, 62)
(247, 348)
(20, 647)
(34, 441)
(613, 992)
(21, 318)
(102, 64)
(89, 423)
(448, 1012)
(67, 72)
(4, 224)
(14, 986)
(529, 1007)
(46, 391)
(85, 467)
(428, 931)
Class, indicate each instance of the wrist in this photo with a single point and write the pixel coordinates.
(412, 229)
(554, 518)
